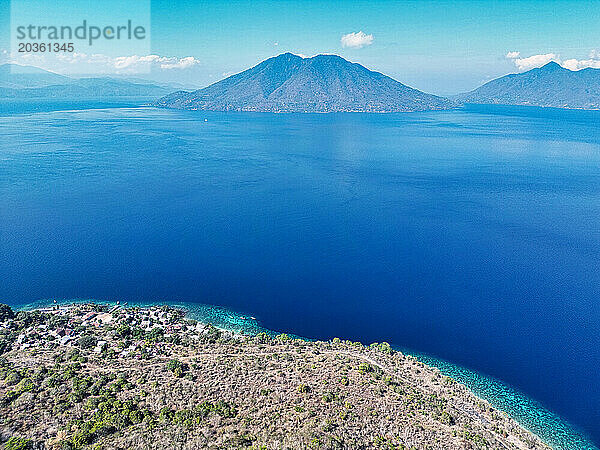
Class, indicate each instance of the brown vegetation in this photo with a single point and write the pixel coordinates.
(204, 388)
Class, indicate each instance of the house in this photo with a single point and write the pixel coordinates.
(89, 315)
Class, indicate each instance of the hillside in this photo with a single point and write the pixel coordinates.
(290, 83)
(13, 76)
(550, 85)
(113, 378)
(87, 88)
(28, 82)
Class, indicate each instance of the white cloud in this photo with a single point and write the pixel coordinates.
(356, 40)
(162, 62)
(577, 64)
(531, 62)
(101, 64)
(182, 63)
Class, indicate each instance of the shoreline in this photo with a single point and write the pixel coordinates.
(526, 412)
(347, 394)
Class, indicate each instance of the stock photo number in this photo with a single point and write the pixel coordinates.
(50, 47)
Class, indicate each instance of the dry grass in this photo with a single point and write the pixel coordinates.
(283, 393)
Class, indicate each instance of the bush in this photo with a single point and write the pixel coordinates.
(6, 312)
(212, 335)
(17, 443)
(283, 337)
(446, 418)
(383, 347)
(155, 334)
(177, 367)
(328, 397)
(12, 378)
(87, 341)
(124, 331)
(166, 415)
(262, 338)
(364, 368)
(303, 388)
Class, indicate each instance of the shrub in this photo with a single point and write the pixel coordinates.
(17, 443)
(385, 348)
(155, 334)
(446, 418)
(6, 312)
(166, 415)
(177, 367)
(124, 331)
(213, 334)
(87, 341)
(224, 409)
(283, 337)
(12, 378)
(262, 338)
(328, 397)
(364, 368)
(303, 388)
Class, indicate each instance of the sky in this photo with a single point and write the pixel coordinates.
(441, 47)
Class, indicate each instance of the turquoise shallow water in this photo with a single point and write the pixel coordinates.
(530, 414)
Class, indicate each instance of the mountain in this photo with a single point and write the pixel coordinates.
(87, 88)
(14, 76)
(550, 85)
(170, 86)
(290, 83)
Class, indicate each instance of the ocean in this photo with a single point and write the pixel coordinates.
(471, 237)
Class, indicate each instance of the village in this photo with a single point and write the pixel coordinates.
(137, 332)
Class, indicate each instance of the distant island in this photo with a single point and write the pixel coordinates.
(291, 83)
(99, 376)
(551, 86)
(30, 83)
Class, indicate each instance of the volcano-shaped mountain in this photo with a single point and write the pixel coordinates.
(323, 83)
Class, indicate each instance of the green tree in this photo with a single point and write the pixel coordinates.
(177, 367)
(124, 331)
(87, 341)
(6, 312)
(17, 443)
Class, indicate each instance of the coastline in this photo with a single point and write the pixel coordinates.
(526, 412)
(124, 375)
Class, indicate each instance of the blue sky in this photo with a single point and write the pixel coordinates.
(437, 46)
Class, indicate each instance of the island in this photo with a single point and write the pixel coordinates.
(551, 86)
(321, 84)
(101, 376)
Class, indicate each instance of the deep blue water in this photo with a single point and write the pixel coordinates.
(471, 235)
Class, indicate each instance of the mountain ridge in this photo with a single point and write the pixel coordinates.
(15, 76)
(30, 82)
(550, 85)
